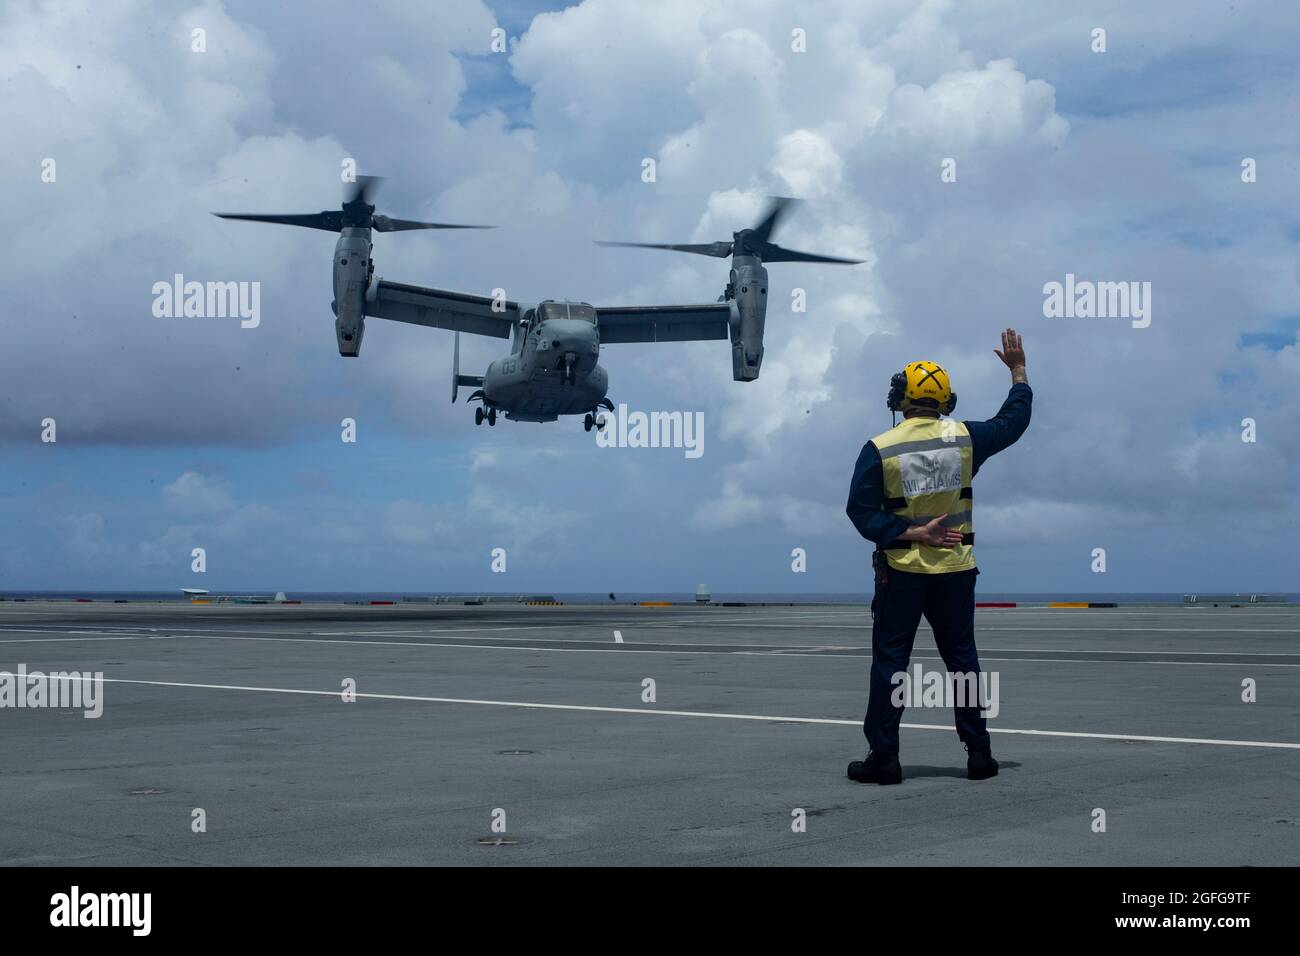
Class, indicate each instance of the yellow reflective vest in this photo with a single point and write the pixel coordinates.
(927, 470)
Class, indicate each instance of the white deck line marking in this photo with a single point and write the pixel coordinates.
(1161, 650)
(55, 640)
(387, 632)
(570, 625)
(724, 622)
(414, 627)
(51, 629)
(740, 651)
(787, 648)
(745, 650)
(1004, 660)
(646, 712)
(794, 648)
(987, 629)
(403, 630)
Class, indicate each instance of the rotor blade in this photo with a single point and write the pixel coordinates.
(385, 224)
(777, 207)
(329, 221)
(363, 188)
(718, 250)
(772, 253)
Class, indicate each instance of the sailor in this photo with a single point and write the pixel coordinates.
(911, 495)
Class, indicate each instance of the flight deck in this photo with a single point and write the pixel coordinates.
(626, 735)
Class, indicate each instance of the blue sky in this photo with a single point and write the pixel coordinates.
(1120, 166)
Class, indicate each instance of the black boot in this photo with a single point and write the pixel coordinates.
(980, 764)
(877, 768)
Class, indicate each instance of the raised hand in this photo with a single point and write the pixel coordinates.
(1012, 355)
(1012, 352)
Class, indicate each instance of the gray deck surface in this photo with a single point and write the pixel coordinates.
(235, 709)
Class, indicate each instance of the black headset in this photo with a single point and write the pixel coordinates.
(898, 389)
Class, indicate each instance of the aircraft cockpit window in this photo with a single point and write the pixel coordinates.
(568, 310)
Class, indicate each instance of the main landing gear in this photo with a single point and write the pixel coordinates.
(491, 416)
(594, 418)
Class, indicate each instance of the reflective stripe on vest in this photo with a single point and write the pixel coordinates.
(927, 470)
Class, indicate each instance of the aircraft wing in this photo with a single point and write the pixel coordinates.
(440, 309)
(663, 323)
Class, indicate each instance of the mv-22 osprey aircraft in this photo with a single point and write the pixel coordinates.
(552, 367)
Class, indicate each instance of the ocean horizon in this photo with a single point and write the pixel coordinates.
(625, 597)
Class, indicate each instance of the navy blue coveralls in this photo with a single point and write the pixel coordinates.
(946, 600)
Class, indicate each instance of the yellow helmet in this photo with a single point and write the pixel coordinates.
(922, 385)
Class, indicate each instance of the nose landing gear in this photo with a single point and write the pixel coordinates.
(591, 420)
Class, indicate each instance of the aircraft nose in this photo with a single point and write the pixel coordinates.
(571, 336)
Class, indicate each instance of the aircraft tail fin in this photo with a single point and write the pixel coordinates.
(457, 380)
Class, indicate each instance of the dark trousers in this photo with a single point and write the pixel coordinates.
(948, 603)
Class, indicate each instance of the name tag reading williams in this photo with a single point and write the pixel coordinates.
(928, 472)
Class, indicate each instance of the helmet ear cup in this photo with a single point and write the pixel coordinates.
(897, 388)
(952, 403)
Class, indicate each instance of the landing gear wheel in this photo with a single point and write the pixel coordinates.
(600, 423)
(478, 416)
(492, 418)
(588, 422)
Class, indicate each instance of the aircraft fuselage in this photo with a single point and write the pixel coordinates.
(552, 369)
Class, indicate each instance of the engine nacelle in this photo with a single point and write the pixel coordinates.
(749, 289)
(352, 277)
(348, 332)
